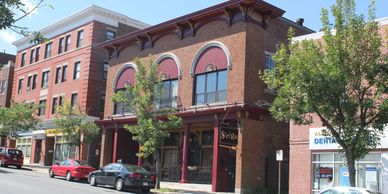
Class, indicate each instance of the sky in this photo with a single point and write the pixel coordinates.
(156, 11)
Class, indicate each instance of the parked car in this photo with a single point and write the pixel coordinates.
(123, 176)
(348, 190)
(11, 157)
(71, 169)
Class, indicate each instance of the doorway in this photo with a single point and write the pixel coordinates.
(38, 151)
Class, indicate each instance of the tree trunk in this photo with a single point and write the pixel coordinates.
(158, 172)
(351, 167)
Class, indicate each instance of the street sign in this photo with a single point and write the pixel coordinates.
(279, 155)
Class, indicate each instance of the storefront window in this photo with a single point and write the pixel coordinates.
(63, 150)
(325, 165)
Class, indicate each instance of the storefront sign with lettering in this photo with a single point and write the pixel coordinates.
(228, 135)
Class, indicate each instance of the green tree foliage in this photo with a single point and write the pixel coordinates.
(19, 117)
(73, 123)
(12, 11)
(152, 124)
(342, 79)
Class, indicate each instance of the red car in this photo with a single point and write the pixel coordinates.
(71, 169)
(11, 157)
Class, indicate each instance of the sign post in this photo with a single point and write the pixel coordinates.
(279, 158)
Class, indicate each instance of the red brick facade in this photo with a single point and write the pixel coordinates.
(245, 40)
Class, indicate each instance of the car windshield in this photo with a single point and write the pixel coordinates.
(137, 169)
(15, 152)
(80, 163)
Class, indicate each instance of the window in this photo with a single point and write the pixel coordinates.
(34, 78)
(29, 81)
(20, 87)
(23, 61)
(61, 45)
(102, 102)
(269, 62)
(122, 107)
(64, 73)
(55, 104)
(67, 46)
(110, 35)
(3, 86)
(74, 100)
(42, 107)
(37, 54)
(169, 94)
(32, 56)
(23, 144)
(45, 79)
(80, 38)
(105, 73)
(60, 101)
(77, 70)
(58, 75)
(211, 87)
(47, 52)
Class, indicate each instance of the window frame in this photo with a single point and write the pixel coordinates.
(74, 99)
(34, 79)
(48, 50)
(20, 85)
(42, 109)
(32, 56)
(61, 45)
(64, 73)
(37, 54)
(205, 93)
(29, 82)
(77, 71)
(23, 59)
(67, 42)
(45, 82)
(58, 74)
(80, 38)
(107, 37)
(54, 105)
(170, 98)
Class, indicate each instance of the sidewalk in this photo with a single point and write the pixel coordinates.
(166, 187)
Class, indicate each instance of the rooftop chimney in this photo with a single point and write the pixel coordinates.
(300, 21)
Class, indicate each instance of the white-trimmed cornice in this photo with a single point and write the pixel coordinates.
(91, 13)
(318, 35)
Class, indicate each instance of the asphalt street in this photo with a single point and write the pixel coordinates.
(26, 181)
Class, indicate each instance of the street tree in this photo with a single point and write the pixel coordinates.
(75, 126)
(12, 11)
(341, 78)
(152, 124)
(17, 118)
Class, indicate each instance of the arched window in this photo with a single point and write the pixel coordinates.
(169, 71)
(126, 76)
(210, 70)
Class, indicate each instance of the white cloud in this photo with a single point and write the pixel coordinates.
(7, 36)
(30, 4)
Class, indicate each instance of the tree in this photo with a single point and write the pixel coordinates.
(76, 128)
(152, 124)
(12, 11)
(341, 78)
(18, 117)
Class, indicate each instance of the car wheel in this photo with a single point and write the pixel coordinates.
(68, 176)
(119, 184)
(145, 190)
(51, 173)
(5, 165)
(93, 181)
(18, 167)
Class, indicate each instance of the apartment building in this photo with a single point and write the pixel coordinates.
(67, 67)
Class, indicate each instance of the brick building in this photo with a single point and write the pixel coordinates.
(209, 61)
(6, 75)
(320, 156)
(68, 67)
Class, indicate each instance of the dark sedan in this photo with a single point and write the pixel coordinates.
(123, 176)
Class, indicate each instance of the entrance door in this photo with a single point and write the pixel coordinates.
(231, 171)
(38, 151)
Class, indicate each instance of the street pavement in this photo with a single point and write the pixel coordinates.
(27, 181)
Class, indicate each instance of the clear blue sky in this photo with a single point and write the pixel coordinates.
(157, 11)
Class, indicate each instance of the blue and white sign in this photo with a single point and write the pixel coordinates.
(318, 140)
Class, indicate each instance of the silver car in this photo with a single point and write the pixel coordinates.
(348, 190)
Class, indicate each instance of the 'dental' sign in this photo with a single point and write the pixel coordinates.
(320, 142)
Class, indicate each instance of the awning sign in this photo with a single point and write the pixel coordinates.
(52, 132)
